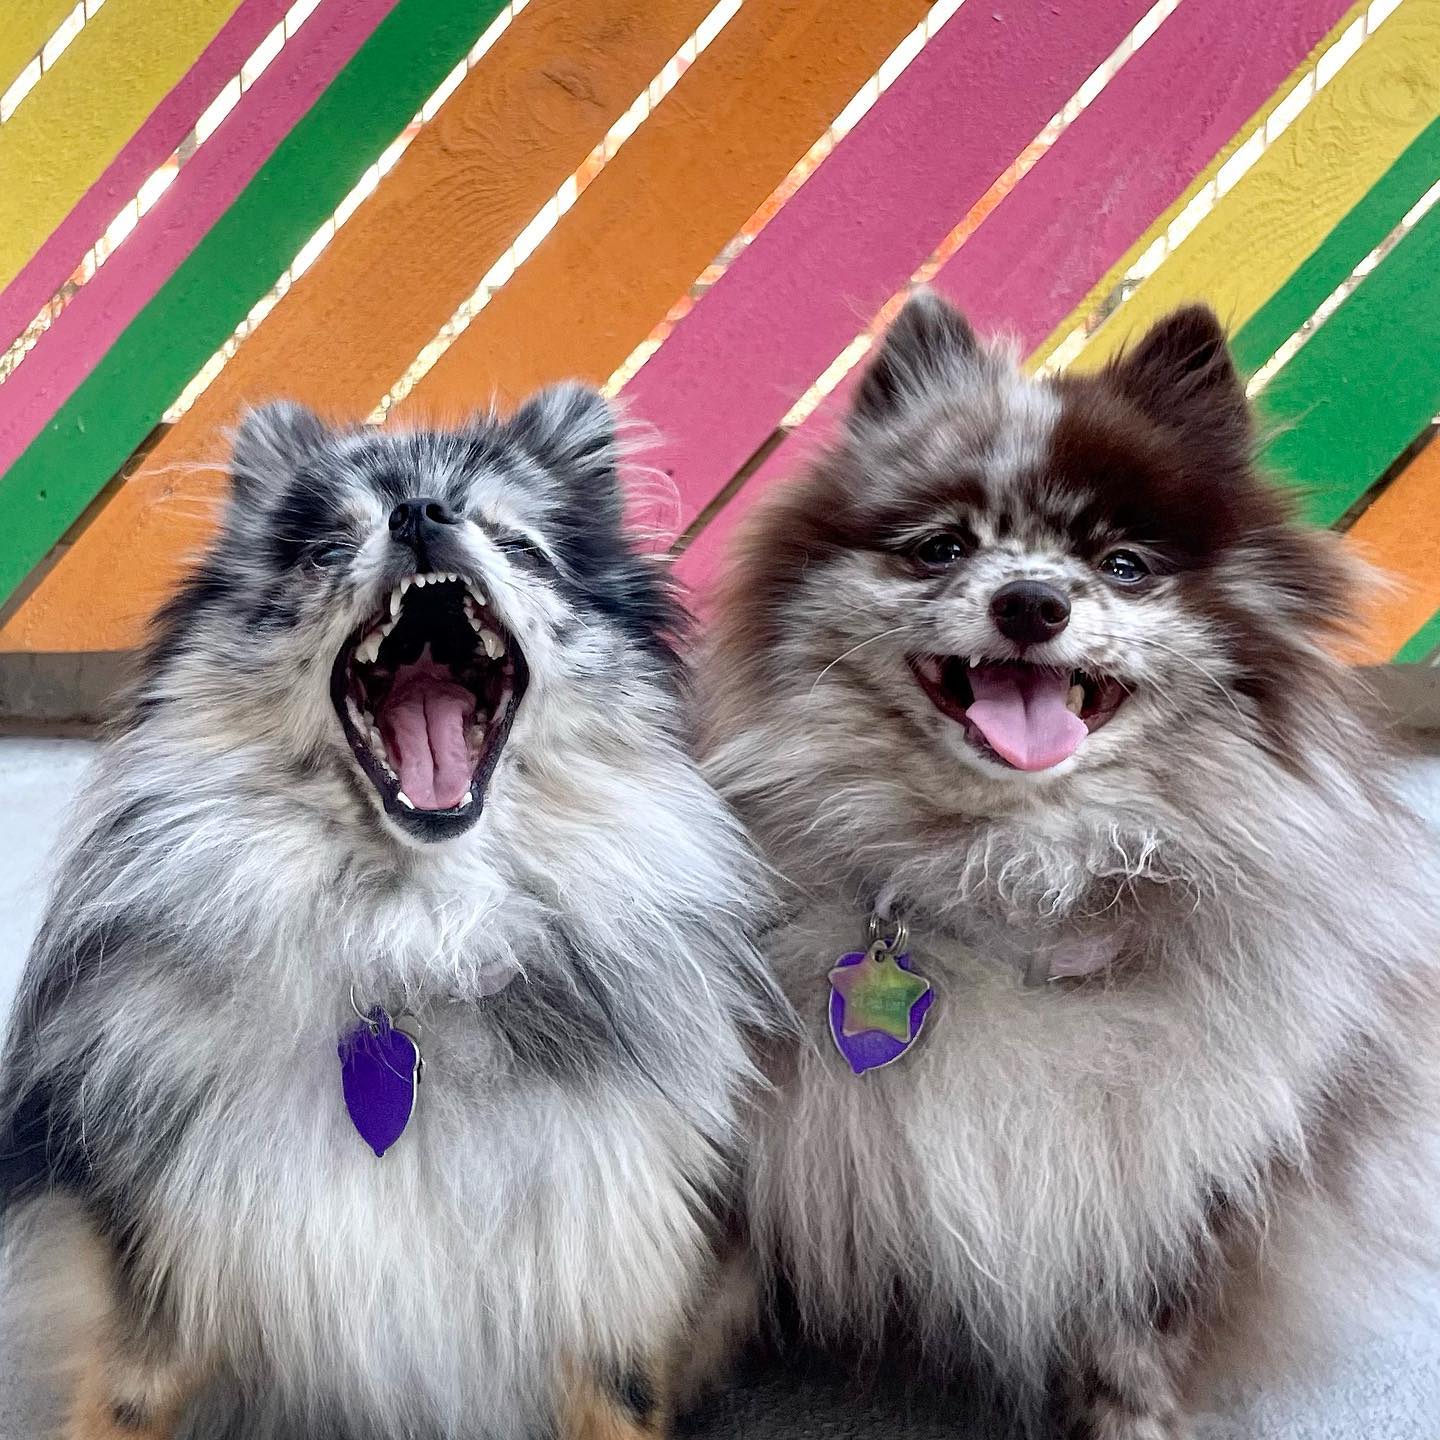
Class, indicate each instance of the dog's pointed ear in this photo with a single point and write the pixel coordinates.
(270, 445)
(1181, 374)
(571, 429)
(929, 343)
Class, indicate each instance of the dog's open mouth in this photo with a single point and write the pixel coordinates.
(426, 691)
(1029, 717)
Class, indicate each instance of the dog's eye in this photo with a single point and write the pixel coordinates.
(1124, 567)
(323, 557)
(940, 551)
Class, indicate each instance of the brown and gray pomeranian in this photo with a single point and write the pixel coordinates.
(1116, 950)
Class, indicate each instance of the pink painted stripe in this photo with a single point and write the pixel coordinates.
(933, 143)
(1125, 159)
(151, 145)
(221, 168)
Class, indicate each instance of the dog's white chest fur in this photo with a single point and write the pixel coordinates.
(1037, 1144)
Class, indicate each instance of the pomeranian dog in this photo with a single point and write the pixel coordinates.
(385, 1035)
(1116, 951)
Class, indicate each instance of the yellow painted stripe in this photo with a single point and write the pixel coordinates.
(25, 27)
(72, 124)
(1282, 208)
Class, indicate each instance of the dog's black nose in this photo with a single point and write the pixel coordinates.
(414, 522)
(1029, 611)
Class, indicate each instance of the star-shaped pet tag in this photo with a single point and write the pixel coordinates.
(877, 1006)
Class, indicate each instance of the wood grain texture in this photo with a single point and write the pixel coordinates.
(316, 164)
(973, 98)
(151, 145)
(28, 25)
(1196, 85)
(1399, 532)
(1347, 407)
(518, 124)
(1378, 212)
(663, 208)
(1261, 231)
(72, 124)
(87, 328)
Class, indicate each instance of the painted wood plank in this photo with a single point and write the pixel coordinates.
(73, 123)
(151, 145)
(1400, 533)
(28, 25)
(683, 185)
(217, 173)
(973, 98)
(1378, 212)
(531, 111)
(1276, 215)
(316, 164)
(1422, 646)
(1206, 77)
(1365, 384)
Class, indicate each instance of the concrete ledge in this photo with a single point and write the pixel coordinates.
(70, 694)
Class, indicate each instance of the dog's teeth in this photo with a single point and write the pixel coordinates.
(468, 797)
(494, 645)
(396, 596)
(475, 595)
(404, 799)
(405, 584)
(974, 661)
(1075, 699)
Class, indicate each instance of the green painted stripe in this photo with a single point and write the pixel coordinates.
(1421, 645)
(1377, 214)
(366, 106)
(1365, 384)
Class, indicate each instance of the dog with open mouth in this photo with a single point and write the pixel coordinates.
(378, 1063)
(1116, 950)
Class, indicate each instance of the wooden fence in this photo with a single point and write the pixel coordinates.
(400, 208)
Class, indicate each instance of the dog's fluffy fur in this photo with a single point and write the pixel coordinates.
(1081, 1180)
(578, 957)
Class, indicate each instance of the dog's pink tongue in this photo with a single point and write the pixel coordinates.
(1020, 710)
(425, 720)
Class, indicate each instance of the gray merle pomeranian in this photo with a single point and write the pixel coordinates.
(1117, 953)
(380, 1053)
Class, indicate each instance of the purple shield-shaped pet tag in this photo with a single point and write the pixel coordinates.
(877, 1005)
(379, 1070)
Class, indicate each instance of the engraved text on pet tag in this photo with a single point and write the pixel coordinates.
(379, 1070)
(877, 1003)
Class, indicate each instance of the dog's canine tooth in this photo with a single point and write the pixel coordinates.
(397, 595)
(494, 645)
(1075, 699)
(404, 799)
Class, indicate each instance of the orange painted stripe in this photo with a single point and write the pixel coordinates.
(1400, 533)
(519, 123)
(660, 212)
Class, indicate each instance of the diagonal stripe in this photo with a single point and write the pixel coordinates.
(1260, 232)
(233, 266)
(706, 159)
(1350, 407)
(1188, 91)
(72, 125)
(1422, 645)
(1400, 532)
(94, 320)
(151, 145)
(533, 108)
(889, 193)
(1378, 212)
(28, 25)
